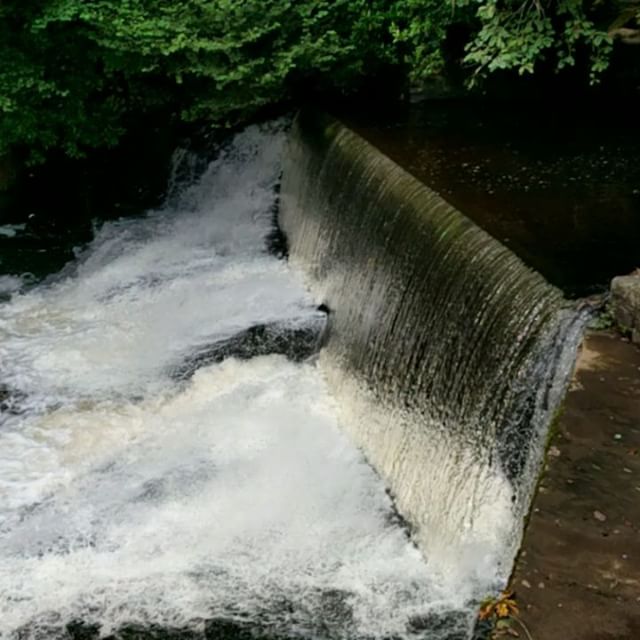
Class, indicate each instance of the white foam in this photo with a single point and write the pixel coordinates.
(149, 290)
(10, 284)
(460, 507)
(232, 495)
(126, 497)
(11, 230)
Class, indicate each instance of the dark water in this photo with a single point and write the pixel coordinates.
(558, 183)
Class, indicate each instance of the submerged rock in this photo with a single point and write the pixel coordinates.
(296, 341)
(10, 400)
(625, 303)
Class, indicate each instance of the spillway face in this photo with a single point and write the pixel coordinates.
(448, 355)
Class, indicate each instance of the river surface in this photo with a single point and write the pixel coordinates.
(557, 181)
(132, 496)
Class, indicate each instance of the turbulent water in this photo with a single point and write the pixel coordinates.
(448, 356)
(130, 495)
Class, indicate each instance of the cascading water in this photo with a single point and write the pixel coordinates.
(150, 481)
(447, 355)
(130, 495)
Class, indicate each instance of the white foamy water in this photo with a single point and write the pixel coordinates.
(11, 230)
(10, 284)
(129, 497)
(149, 290)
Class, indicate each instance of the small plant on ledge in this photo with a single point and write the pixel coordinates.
(502, 614)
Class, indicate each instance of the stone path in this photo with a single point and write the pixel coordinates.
(578, 574)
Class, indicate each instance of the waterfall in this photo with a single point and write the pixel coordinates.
(165, 470)
(448, 356)
(178, 461)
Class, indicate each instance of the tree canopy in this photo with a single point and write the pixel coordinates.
(74, 72)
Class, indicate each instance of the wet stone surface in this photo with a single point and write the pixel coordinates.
(578, 574)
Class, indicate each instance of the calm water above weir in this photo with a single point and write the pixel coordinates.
(557, 183)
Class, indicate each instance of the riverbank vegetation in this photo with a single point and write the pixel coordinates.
(76, 74)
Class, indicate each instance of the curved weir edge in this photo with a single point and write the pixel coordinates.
(449, 357)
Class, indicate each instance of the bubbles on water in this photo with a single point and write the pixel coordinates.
(11, 230)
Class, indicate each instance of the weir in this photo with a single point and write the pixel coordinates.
(448, 355)
(171, 462)
(174, 402)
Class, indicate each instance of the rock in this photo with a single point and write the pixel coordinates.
(625, 303)
(598, 515)
(297, 341)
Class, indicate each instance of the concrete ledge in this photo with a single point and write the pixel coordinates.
(578, 573)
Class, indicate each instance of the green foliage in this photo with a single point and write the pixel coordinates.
(603, 320)
(235, 56)
(509, 34)
(74, 74)
(420, 27)
(516, 34)
(47, 99)
(72, 70)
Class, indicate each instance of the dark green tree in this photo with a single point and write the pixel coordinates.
(75, 74)
(71, 71)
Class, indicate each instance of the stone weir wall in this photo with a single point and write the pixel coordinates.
(447, 354)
